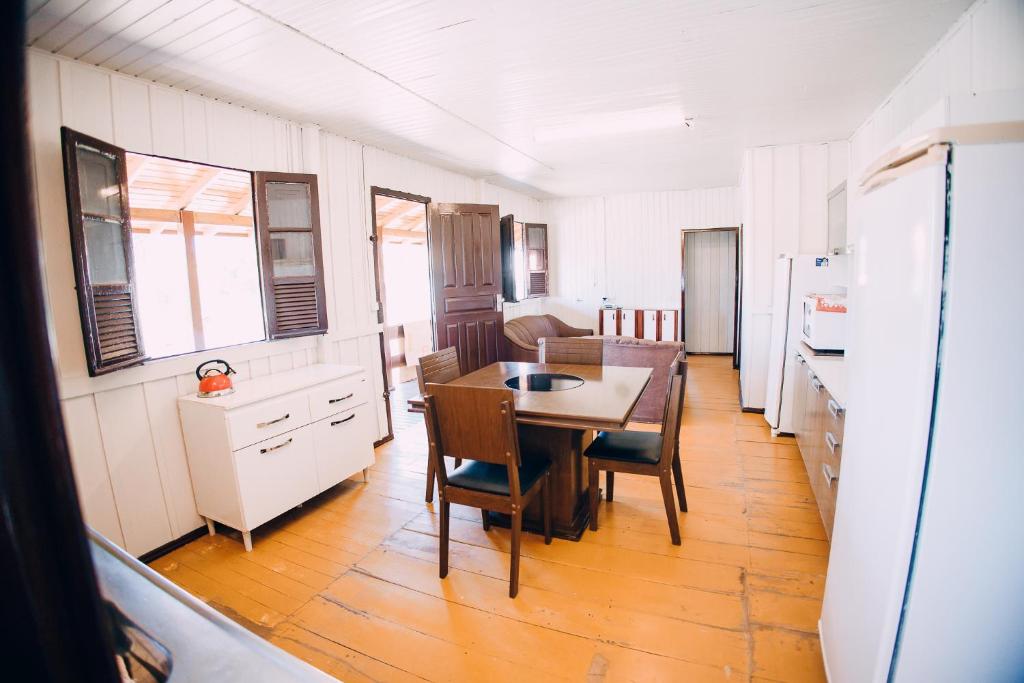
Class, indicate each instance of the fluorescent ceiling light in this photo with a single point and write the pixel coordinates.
(614, 123)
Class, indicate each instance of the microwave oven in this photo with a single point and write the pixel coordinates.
(824, 323)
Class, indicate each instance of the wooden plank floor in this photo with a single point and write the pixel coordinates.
(349, 581)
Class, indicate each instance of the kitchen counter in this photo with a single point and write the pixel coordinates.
(830, 370)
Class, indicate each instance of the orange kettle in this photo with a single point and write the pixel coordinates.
(215, 381)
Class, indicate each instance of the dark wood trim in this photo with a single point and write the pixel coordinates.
(87, 291)
(55, 626)
(260, 179)
(682, 286)
(739, 300)
(157, 553)
(381, 293)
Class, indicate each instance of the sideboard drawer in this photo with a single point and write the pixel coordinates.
(269, 418)
(336, 397)
(343, 445)
(275, 475)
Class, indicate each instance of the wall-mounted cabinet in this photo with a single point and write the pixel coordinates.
(524, 259)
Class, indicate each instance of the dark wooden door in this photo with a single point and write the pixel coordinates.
(464, 241)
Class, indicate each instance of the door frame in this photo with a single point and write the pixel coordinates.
(736, 293)
(378, 272)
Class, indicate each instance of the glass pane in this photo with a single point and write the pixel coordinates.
(535, 238)
(229, 286)
(104, 252)
(536, 259)
(288, 205)
(98, 183)
(292, 253)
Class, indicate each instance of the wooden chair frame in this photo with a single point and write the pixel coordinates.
(667, 467)
(571, 350)
(507, 441)
(442, 367)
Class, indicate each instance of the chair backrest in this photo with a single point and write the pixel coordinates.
(472, 423)
(673, 409)
(572, 350)
(439, 367)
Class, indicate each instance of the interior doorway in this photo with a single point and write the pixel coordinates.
(709, 298)
(402, 263)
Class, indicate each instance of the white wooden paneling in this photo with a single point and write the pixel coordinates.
(710, 291)
(423, 78)
(627, 247)
(134, 473)
(89, 463)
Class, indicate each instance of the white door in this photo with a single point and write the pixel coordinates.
(710, 289)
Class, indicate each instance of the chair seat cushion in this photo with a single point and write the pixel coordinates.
(641, 447)
(491, 478)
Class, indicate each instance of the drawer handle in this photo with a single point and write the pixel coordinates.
(830, 475)
(338, 422)
(834, 408)
(261, 425)
(830, 441)
(274, 448)
(816, 385)
(343, 398)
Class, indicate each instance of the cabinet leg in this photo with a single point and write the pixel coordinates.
(366, 474)
(209, 527)
(247, 541)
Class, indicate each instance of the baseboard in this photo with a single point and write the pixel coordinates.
(389, 437)
(157, 553)
(759, 411)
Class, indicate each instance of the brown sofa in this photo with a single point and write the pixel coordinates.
(523, 334)
(644, 353)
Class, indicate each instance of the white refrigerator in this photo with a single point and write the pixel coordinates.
(927, 561)
(795, 277)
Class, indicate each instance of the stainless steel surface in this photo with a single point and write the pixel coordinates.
(204, 645)
(343, 398)
(834, 409)
(830, 441)
(338, 422)
(261, 425)
(274, 448)
(830, 476)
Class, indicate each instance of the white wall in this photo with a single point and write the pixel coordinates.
(627, 247)
(783, 193)
(123, 429)
(974, 74)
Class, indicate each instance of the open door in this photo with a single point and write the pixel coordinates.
(464, 241)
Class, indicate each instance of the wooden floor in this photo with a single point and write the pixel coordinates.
(349, 582)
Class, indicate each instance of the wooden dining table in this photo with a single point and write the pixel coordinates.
(559, 425)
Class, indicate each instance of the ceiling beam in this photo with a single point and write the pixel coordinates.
(414, 235)
(207, 176)
(172, 216)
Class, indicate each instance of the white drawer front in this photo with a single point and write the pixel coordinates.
(269, 418)
(343, 445)
(337, 396)
(651, 325)
(276, 475)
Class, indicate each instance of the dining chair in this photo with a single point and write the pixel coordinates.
(439, 367)
(571, 350)
(478, 425)
(643, 453)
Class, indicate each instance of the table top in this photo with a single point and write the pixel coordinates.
(605, 401)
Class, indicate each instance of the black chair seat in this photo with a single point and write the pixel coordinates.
(490, 478)
(640, 447)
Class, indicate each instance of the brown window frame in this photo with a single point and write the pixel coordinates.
(276, 328)
(530, 293)
(87, 291)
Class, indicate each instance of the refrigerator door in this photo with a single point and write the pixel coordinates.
(777, 348)
(895, 292)
(965, 599)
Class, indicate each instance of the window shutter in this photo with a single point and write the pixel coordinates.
(96, 182)
(536, 259)
(288, 223)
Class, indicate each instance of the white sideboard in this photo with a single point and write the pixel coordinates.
(276, 442)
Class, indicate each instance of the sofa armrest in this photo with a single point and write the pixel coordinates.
(518, 351)
(569, 331)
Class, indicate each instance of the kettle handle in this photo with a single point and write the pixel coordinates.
(228, 370)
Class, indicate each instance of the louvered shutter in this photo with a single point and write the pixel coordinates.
(96, 182)
(288, 222)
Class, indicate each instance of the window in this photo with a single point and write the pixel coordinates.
(524, 258)
(170, 257)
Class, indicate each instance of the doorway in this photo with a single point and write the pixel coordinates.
(402, 263)
(709, 295)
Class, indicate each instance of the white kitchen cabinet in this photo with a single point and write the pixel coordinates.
(276, 442)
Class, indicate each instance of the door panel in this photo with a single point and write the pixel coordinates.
(465, 271)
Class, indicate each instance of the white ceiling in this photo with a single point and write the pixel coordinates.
(561, 97)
